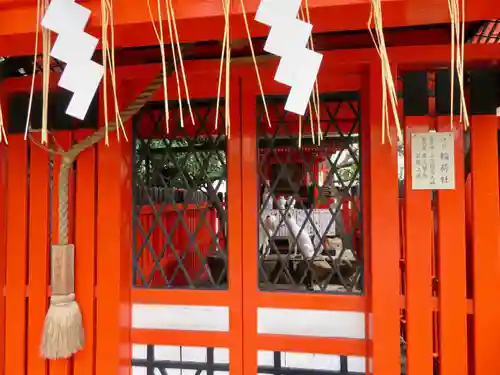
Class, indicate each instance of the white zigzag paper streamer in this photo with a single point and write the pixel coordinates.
(299, 66)
(74, 47)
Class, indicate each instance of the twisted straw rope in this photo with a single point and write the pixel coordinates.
(68, 157)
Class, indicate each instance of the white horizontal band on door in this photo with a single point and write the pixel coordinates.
(195, 354)
(311, 361)
(178, 317)
(317, 323)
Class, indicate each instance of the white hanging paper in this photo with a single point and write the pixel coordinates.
(287, 36)
(433, 161)
(303, 80)
(270, 11)
(74, 47)
(83, 80)
(65, 16)
(287, 39)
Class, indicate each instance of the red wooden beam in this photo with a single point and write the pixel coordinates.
(201, 20)
(349, 62)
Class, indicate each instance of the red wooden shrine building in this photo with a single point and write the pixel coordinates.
(187, 260)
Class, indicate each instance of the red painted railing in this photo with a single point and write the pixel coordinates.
(169, 241)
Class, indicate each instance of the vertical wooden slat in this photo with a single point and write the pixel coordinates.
(85, 252)
(366, 209)
(114, 263)
(451, 268)
(64, 140)
(17, 256)
(249, 213)
(384, 238)
(417, 233)
(485, 243)
(3, 249)
(39, 256)
(234, 245)
(418, 247)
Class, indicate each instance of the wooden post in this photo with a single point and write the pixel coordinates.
(64, 139)
(384, 236)
(17, 255)
(85, 251)
(249, 211)
(485, 222)
(114, 252)
(38, 256)
(3, 248)
(451, 244)
(418, 234)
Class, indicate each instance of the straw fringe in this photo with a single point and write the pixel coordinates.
(63, 328)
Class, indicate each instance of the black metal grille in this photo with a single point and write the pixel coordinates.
(309, 219)
(212, 367)
(180, 200)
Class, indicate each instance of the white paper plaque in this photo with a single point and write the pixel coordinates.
(433, 161)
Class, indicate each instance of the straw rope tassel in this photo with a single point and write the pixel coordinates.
(63, 333)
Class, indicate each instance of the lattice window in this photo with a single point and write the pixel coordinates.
(309, 216)
(180, 200)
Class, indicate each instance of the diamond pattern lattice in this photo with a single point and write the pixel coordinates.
(309, 215)
(180, 208)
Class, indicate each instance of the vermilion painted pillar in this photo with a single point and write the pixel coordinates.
(383, 232)
(485, 221)
(114, 249)
(418, 228)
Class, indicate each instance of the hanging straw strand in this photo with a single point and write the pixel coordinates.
(225, 56)
(179, 95)
(179, 53)
(249, 36)
(221, 66)
(35, 58)
(228, 68)
(316, 84)
(3, 135)
(457, 21)
(315, 95)
(46, 78)
(159, 36)
(104, 41)
(388, 86)
(112, 68)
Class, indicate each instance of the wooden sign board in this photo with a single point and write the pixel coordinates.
(433, 161)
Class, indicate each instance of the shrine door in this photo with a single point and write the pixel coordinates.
(303, 304)
(219, 206)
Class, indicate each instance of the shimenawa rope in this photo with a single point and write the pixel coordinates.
(63, 333)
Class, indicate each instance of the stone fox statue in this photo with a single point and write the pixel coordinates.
(267, 224)
(296, 241)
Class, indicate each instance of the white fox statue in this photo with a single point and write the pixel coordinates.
(297, 241)
(267, 224)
